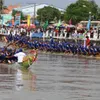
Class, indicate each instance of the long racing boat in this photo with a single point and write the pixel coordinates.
(27, 61)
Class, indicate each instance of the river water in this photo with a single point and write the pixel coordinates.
(57, 77)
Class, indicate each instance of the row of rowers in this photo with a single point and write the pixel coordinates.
(56, 46)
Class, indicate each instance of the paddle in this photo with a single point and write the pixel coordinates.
(13, 43)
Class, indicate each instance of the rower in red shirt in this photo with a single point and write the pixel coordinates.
(87, 42)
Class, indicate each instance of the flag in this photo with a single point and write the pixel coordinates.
(88, 24)
(45, 25)
(28, 20)
(70, 22)
(59, 24)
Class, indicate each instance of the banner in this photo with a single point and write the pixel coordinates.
(28, 20)
(17, 20)
(37, 35)
(88, 24)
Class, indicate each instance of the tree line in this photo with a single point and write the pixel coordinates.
(80, 10)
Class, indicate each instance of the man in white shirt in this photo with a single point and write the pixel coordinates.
(20, 55)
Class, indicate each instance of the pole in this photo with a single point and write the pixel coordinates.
(34, 13)
(90, 15)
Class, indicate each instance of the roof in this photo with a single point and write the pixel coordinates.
(10, 8)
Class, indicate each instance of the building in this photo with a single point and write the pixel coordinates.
(9, 9)
(7, 14)
(5, 18)
(29, 10)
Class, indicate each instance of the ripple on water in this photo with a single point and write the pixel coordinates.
(62, 78)
(75, 78)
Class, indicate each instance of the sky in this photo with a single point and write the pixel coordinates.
(58, 3)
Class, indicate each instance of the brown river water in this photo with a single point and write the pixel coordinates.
(55, 77)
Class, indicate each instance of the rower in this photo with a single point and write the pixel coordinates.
(87, 42)
(20, 55)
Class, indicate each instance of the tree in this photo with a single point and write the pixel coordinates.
(1, 5)
(48, 13)
(80, 10)
(14, 12)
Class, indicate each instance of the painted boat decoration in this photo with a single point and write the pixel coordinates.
(29, 59)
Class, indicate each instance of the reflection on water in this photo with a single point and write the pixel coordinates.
(6, 77)
(61, 78)
(67, 77)
(18, 80)
(6, 81)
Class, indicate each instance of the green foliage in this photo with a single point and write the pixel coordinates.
(14, 12)
(48, 13)
(22, 15)
(1, 5)
(80, 11)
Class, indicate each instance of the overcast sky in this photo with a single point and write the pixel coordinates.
(57, 3)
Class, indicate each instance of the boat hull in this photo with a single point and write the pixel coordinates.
(29, 59)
